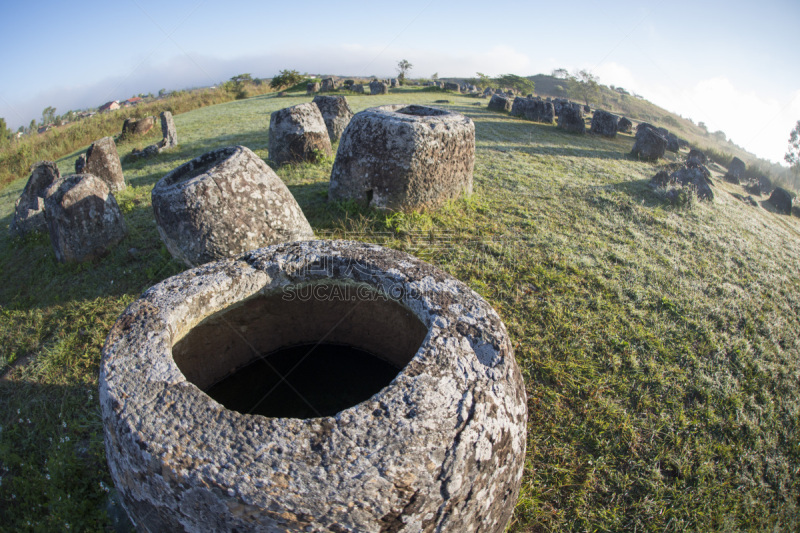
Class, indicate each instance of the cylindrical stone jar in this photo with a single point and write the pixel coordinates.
(223, 203)
(404, 157)
(439, 445)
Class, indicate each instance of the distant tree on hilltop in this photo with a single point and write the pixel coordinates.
(793, 154)
(403, 66)
(584, 85)
(286, 78)
(560, 73)
(48, 115)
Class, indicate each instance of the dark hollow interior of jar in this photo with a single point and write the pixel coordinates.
(198, 166)
(308, 351)
(421, 111)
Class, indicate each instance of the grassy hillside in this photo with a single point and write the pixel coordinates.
(660, 345)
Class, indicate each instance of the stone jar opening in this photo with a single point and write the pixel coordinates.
(306, 351)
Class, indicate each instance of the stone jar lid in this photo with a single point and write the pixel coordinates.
(440, 448)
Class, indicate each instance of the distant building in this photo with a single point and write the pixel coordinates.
(132, 101)
(43, 129)
(109, 106)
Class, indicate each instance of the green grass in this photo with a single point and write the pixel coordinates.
(660, 345)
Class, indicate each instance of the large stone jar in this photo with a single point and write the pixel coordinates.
(439, 445)
(224, 203)
(404, 157)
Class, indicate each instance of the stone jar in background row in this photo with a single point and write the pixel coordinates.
(650, 144)
(336, 113)
(604, 123)
(83, 218)
(736, 171)
(29, 208)
(404, 157)
(141, 126)
(624, 125)
(378, 87)
(571, 118)
(500, 103)
(102, 160)
(312, 87)
(224, 203)
(298, 134)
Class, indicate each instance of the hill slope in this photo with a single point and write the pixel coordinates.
(660, 345)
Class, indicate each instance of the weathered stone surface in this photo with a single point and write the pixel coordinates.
(782, 200)
(441, 448)
(696, 158)
(736, 171)
(83, 218)
(624, 125)
(328, 84)
(29, 208)
(102, 160)
(404, 157)
(141, 126)
(695, 177)
(336, 113)
(604, 123)
(672, 142)
(571, 119)
(394, 83)
(80, 164)
(533, 108)
(224, 203)
(450, 86)
(357, 88)
(650, 144)
(312, 87)
(297, 134)
(168, 131)
(500, 103)
(378, 87)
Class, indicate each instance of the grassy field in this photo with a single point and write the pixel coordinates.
(660, 344)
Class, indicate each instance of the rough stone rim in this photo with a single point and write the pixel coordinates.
(195, 169)
(173, 303)
(416, 113)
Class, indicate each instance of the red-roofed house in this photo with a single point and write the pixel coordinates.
(132, 101)
(109, 106)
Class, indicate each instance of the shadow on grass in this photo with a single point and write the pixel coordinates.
(561, 151)
(32, 278)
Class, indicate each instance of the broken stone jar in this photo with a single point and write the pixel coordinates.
(309, 386)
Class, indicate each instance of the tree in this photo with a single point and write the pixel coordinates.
(161, 93)
(403, 66)
(583, 84)
(286, 78)
(48, 115)
(518, 83)
(560, 74)
(793, 154)
(482, 80)
(435, 76)
(238, 85)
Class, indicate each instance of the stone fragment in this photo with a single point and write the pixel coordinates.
(141, 126)
(102, 160)
(378, 87)
(404, 157)
(449, 86)
(500, 103)
(782, 200)
(29, 213)
(80, 164)
(604, 123)
(83, 218)
(696, 158)
(697, 178)
(624, 125)
(571, 119)
(298, 134)
(357, 88)
(672, 142)
(336, 113)
(312, 87)
(168, 131)
(439, 448)
(223, 203)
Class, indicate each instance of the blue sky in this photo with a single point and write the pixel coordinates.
(732, 65)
